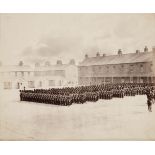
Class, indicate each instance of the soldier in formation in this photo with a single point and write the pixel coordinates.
(80, 95)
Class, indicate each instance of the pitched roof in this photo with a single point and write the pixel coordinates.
(15, 68)
(52, 67)
(118, 59)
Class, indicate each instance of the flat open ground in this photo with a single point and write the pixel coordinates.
(116, 119)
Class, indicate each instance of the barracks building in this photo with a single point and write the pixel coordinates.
(39, 76)
(138, 67)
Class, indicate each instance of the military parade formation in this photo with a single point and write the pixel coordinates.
(82, 94)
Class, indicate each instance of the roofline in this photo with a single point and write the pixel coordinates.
(119, 55)
(113, 64)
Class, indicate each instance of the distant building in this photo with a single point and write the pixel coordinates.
(121, 68)
(40, 76)
(56, 75)
(15, 76)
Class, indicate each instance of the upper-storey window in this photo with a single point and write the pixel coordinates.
(131, 68)
(59, 73)
(94, 69)
(51, 83)
(107, 68)
(37, 73)
(114, 68)
(83, 70)
(22, 73)
(141, 68)
(151, 67)
(28, 73)
(31, 84)
(122, 68)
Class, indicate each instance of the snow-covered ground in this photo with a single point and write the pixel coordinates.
(116, 119)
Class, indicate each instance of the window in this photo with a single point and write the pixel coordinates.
(122, 68)
(31, 84)
(59, 73)
(93, 68)
(107, 68)
(22, 74)
(51, 73)
(37, 73)
(141, 68)
(151, 65)
(100, 68)
(7, 85)
(122, 80)
(114, 69)
(60, 82)
(51, 83)
(131, 68)
(40, 83)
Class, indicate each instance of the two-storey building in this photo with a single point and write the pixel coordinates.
(136, 67)
(40, 76)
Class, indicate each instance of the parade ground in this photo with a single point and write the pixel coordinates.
(116, 119)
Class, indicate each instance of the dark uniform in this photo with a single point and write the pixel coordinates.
(149, 100)
(80, 95)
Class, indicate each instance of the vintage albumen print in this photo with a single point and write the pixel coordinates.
(77, 76)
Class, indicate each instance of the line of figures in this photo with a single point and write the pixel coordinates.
(81, 94)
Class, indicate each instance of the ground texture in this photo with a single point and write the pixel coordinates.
(116, 119)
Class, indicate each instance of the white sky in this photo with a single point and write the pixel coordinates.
(33, 37)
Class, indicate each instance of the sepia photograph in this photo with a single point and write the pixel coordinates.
(77, 76)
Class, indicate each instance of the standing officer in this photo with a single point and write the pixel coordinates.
(149, 101)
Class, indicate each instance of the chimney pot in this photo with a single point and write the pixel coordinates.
(97, 54)
(119, 52)
(145, 49)
(72, 62)
(137, 51)
(59, 62)
(86, 56)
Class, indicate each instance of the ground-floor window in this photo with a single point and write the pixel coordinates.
(31, 84)
(40, 83)
(51, 83)
(122, 80)
(18, 85)
(7, 85)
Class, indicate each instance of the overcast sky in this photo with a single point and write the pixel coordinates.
(33, 37)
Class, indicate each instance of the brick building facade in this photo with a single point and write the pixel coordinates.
(136, 67)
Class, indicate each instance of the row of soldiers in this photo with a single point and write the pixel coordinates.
(68, 96)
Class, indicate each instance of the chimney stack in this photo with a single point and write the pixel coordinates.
(86, 56)
(119, 52)
(72, 62)
(59, 62)
(104, 54)
(145, 49)
(137, 51)
(97, 54)
(21, 63)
